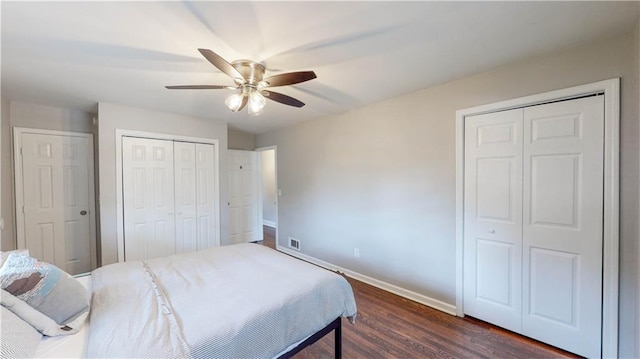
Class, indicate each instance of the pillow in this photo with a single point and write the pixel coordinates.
(56, 298)
(39, 321)
(19, 339)
(4, 255)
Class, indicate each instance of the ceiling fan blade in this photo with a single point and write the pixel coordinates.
(199, 87)
(284, 99)
(223, 65)
(245, 99)
(289, 78)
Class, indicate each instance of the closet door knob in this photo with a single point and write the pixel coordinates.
(492, 231)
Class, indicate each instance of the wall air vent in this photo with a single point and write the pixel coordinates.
(294, 243)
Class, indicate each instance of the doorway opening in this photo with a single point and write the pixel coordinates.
(268, 194)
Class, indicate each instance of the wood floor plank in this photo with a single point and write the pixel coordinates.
(390, 326)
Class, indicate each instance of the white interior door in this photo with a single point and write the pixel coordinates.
(148, 196)
(185, 192)
(205, 196)
(493, 218)
(563, 223)
(244, 223)
(56, 193)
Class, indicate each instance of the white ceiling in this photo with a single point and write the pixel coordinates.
(75, 54)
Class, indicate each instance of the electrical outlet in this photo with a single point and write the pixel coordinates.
(356, 252)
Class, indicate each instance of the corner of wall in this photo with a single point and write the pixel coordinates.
(8, 240)
(637, 323)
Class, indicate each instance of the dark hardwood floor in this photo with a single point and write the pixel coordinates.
(390, 326)
(269, 237)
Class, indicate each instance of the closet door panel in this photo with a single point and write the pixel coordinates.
(493, 218)
(205, 205)
(148, 194)
(185, 191)
(562, 230)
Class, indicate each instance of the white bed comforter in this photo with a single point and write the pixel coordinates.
(240, 301)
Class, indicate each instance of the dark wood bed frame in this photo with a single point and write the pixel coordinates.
(336, 326)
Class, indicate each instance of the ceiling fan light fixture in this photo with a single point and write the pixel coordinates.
(248, 77)
(256, 103)
(234, 102)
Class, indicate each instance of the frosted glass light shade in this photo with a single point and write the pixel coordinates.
(234, 102)
(256, 103)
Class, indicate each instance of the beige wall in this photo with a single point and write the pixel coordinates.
(19, 114)
(240, 140)
(50, 118)
(112, 117)
(382, 178)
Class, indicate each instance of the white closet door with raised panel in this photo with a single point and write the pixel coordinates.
(493, 218)
(205, 196)
(562, 233)
(185, 200)
(243, 197)
(148, 191)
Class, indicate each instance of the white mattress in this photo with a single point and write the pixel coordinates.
(67, 346)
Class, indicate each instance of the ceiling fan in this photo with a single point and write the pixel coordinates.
(250, 84)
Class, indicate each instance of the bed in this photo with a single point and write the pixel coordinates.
(239, 301)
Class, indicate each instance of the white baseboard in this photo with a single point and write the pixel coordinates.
(416, 297)
(269, 223)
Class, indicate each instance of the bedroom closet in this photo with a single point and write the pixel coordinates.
(533, 221)
(168, 197)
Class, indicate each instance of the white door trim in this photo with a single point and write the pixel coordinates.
(160, 136)
(17, 145)
(611, 90)
(275, 160)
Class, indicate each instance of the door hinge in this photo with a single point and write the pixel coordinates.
(23, 210)
(21, 152)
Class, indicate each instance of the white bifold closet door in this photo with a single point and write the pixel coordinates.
(168, 197)
(533, 221)
(493, 218)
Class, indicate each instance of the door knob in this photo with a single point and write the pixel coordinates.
(83, 212)
(492, 231)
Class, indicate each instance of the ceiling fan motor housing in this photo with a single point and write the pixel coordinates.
(252, 72)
